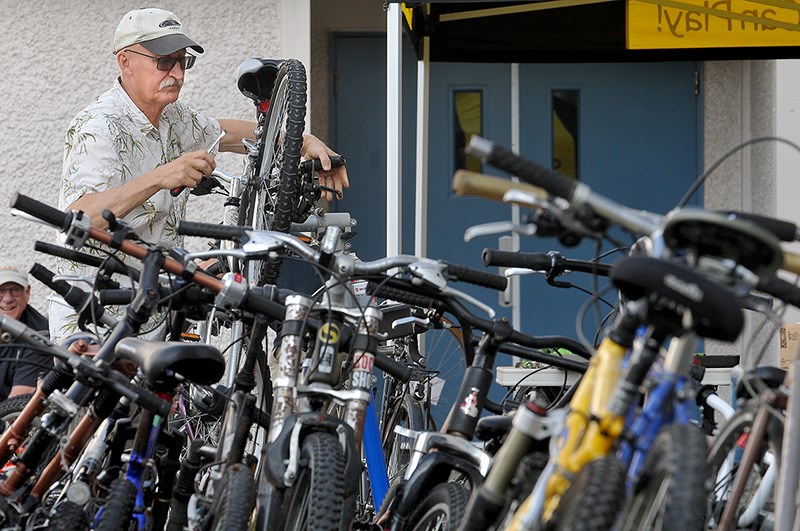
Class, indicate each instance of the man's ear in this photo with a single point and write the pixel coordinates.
(123, 62)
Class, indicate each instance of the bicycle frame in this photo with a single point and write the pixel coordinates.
(668, 401)
(141, 458)
(373, 455)
(590, 428)
(585, 440)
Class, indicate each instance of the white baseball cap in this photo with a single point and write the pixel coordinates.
(9, 273)
(157, 30)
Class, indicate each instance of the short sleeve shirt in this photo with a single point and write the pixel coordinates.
(110, 143)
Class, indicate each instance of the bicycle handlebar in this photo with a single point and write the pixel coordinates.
(212, 230)
(94, 369)
(579, 194)
(556, 183)
(552, 262)
(783, 230)
(111, 265)
(73, 296)
(245, 236)
(472, 183)
(476, 276)
(52, 216)
(781, 289)
(315, 165)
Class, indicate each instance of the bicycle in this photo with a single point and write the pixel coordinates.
(586, 454)
(427, 495)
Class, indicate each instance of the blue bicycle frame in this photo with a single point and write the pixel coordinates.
(662, 406)
(137, 466)
(670, 401)
(373, 453)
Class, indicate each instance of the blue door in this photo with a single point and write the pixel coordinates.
(634, 128)
(633, 135)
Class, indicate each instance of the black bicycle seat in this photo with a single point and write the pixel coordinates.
(256, 78)
(723, 236)
(715, 310)
(198, 363)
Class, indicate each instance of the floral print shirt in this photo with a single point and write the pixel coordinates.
(110, 143)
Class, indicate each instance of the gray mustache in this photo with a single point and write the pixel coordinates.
(169, 82)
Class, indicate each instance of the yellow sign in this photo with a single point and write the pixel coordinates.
(409, 14)
(657, 24)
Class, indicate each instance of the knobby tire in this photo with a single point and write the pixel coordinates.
(673, 480)
(316, 500)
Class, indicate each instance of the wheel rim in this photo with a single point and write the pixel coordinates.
(436, 519)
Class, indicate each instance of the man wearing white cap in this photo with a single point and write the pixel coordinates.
(129, 148)
(20, 367)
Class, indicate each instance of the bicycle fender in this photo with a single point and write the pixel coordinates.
(433, 469)
(278, 452)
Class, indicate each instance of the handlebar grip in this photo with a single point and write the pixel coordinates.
(316, 165)
(51, 216)
(534, 261)
(257, 303)
(111, 265)
(781, 289)
(211, 230)
(477, 277)
(175, 192)
(489, 187)
(400, 295)
(115, 297)
(783, 230)
(791, 262)
(73, 296)
(69, 254)
(401, 371)
(527, 170)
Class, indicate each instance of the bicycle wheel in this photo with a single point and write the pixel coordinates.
(270, 201)
(236, 499)
(673, 479)
(316, 500)
(200, 409)
(118, 509)
(757, 505)
(593, 500)
(446, 363)
(406, 413)
(442, 509)
(68, 516)
(10, 408)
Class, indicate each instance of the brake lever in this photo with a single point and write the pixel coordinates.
(498, 227)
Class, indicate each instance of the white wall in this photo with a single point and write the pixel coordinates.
(55, 58)
(787, 159)
(746, 100)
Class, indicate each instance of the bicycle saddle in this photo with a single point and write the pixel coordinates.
(715, 310)
(724, 236)
(198, 363)
(256, 78)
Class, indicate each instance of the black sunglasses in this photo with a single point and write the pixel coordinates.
(167, 63)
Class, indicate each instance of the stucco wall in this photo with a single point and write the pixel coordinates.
(745, 100)
(56, 58)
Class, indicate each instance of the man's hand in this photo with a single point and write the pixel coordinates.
(336, 178)
(187, 170)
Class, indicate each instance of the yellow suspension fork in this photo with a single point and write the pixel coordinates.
(582, 439)
(585, 438)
